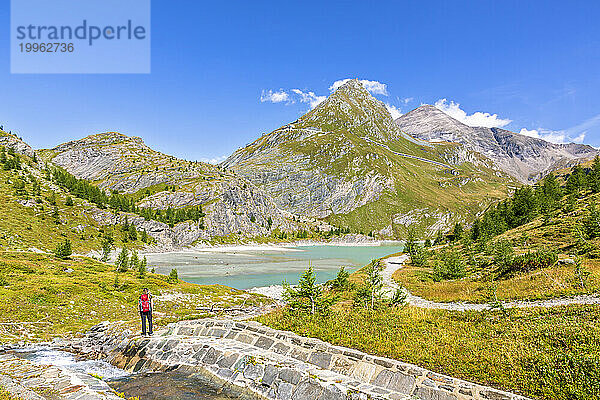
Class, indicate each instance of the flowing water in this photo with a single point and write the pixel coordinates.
(146, 386)
(247, 267)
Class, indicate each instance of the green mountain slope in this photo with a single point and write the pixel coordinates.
(347, 162)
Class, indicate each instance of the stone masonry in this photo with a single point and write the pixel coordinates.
(280, 365)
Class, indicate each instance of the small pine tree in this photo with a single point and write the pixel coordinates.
(63, 250)
(307, 296)
(457, 234)
(173, 278)
(398, 298)
(52, 198)
(132, 233)
(341, 281)
(106, 244)
(411, 241)
(371, 292)
(125, 226)
(68, 201)
(144, 236)
(122, 262)
(134, 261)
(142, 266)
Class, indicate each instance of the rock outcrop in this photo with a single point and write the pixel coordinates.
(9, 140)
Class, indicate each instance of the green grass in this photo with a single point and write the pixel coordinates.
(24, 227)
(52, 297)
(545, 283)
(543, 353)
(5, 395)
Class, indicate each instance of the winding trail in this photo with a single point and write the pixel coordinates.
(392, 264)
(409, 155)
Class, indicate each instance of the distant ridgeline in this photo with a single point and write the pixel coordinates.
(118, 202)
(543, 199)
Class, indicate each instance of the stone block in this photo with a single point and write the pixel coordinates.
(332, 392)
(299, 355)
(245, 338)
(254, 371)
(284, 391)
(493, 395)
(212, 356)
(363, 371)
(402, 383)
(424, 393)
(289, 375)
(271, 373)
(228, 361)
(307, 390)
(322, 360)
(383, 378)
(264, 342)
(280, 348)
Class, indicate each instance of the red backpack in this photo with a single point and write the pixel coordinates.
(145, 299)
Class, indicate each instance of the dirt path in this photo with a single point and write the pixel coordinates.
(392, 264)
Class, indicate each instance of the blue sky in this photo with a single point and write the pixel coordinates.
(535, 64)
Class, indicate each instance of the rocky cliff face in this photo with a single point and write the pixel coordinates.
(525, 158)
(347, 161)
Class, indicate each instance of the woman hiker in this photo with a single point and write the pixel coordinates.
(145, 307)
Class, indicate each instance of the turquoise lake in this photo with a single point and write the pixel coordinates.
(248, 268)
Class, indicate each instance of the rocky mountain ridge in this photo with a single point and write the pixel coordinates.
(346, 163)
(526, 158)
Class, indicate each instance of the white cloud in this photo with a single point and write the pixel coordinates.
(476, 119)
(579, 139)
(393, 110)
(214, 160)
(374, 87)
(309, 97)
(407, 100)
(559, 137)
(274, 97)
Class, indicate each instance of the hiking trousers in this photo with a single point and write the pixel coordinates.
(146, 315)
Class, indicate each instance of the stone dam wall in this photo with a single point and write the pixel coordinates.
(261, 362)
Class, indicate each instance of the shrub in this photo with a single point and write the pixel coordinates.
(529, 261)
(503, 253)
(591, 223)
(68, 201)
(419, 256)
(398, 298)
(452, 266)
(142, 265)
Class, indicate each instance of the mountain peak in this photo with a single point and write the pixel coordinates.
(353, 109)
(101, 139)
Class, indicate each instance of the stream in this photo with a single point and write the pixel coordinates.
(147, 386)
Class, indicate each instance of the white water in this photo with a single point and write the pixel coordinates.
(48, 356)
